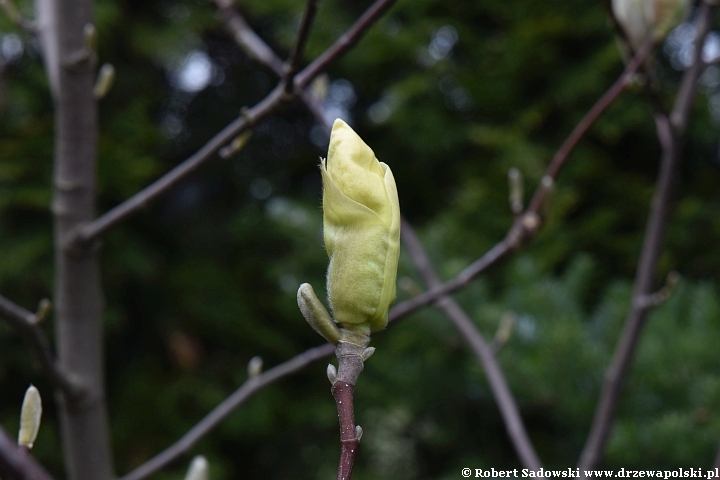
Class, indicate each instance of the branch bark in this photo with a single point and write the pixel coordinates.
(498, 385)
(670, 132)
(77, 298)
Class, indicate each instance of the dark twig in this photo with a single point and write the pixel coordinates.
(344, 43)
(27, 323)
(483, 352)
(716, 464)
(291, 66)
(247, 39)
(670, 139)
(102, 224)
(16, 463)
(219, 413)
(17, 315)
(260, 51)
(589, 119)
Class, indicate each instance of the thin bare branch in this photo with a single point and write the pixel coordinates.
(27, 323)
(670, 140)
(344, 43)
(350, 365)
(590, 118)
(16, 315)
(716, 464)
(16, 463)
(291, 66)
(686, 92)
(485, 355)
(257, 49)
(140, 200)
(219, 413)
(247, 39)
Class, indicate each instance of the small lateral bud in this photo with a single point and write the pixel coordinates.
(30, 417)
(105, 80)
(358, 432)
(43, 311)
(236, 145)
(331, 373)
(367, 353)
(255, 366)
(199, 469)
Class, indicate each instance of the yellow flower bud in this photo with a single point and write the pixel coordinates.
(361, 226)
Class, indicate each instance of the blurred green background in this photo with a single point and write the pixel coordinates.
(449, 94)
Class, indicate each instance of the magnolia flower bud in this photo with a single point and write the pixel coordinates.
(642, 18)
(361, 226)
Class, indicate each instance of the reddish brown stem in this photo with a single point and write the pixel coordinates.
(350, 364)
(343, 393)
